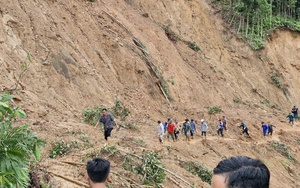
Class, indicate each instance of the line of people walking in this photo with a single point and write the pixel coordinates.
(187, 128)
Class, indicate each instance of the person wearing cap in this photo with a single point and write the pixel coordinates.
(187, 129)
(203, 128)
(98, 173)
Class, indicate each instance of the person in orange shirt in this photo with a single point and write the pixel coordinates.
(171, 129)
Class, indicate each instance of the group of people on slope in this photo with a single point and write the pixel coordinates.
(267, 128)
(188, 128)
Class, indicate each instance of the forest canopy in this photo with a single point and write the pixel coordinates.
(255, 20)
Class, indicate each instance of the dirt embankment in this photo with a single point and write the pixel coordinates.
(85, 54)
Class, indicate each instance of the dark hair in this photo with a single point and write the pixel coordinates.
(192, 119)
(104, 109)
(158, 121)
(242, 171)
(98, 169)
(186, 119)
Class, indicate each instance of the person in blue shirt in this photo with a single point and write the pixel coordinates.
(193, 128)
(166, 125)
(291, 118)
(264, 128)
(220, 128)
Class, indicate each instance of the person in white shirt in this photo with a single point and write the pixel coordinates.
(160, 131)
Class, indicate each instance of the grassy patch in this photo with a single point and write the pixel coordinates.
(60, 148)
(198, 169)
(175, 37)
(131, 126)
(282, 149)
(276, 80)
(237, 100)
(152, 174)
(91, 115)
(214, 110)
(267, 103)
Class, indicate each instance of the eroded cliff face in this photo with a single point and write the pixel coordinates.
(85, 54)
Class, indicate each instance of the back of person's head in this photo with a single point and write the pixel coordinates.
(98, 170)
(158, 122)
(243, 172)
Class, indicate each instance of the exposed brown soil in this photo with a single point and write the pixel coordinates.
(83, 55)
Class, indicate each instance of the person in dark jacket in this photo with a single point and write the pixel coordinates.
(108, 121)
(245, 128)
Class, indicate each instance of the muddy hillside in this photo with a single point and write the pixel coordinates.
(160, 59)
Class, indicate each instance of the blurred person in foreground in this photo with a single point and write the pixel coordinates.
(98, 173)
(240, 172)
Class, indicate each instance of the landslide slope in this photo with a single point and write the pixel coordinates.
(86, 54)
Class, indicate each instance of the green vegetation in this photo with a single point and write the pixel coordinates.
(111, 150)
(150, 169)
(175, 37)
(153, 68)
(276, 80)
(213, 69)
(120, 110)
(255, 20)
(152, 174)
(18, 146)
(91, 115)
(237, 100)
(267, 103)
(60, 148)
(198, 169)
(192, 45)
(131, 126)
(214, 110)
(282, 149)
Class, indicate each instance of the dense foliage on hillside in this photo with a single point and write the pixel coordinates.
(255, 20)
(18, 146)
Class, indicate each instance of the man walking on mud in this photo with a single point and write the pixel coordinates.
(108, 121)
